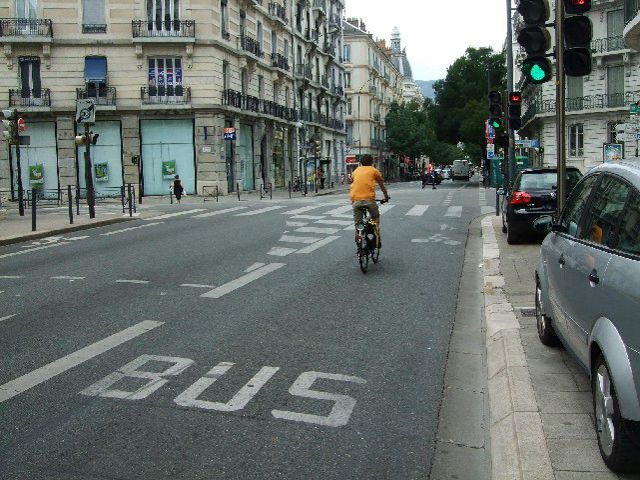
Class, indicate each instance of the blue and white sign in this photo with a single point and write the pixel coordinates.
(229, 133)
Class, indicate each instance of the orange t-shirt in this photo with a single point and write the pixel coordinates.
(364, 182)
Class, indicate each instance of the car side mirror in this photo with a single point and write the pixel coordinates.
(556, 227)
(500, 191)
(544, 224)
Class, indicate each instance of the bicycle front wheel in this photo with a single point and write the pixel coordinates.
(375, 255)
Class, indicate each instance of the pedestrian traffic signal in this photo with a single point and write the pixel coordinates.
(495, 110)
(514, 111)
(82, 139)
(317, 148)
(577, 32)
(93, 138)
(536, 40)
(10, 131)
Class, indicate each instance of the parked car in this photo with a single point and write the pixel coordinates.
(534, 194)
(587, 296)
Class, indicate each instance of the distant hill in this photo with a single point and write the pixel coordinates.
(426, 86)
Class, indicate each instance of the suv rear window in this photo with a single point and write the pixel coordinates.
(546, 180)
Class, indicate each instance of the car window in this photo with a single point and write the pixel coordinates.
(629, 236)
(603, 217)
(573, 177)
(575, 206)
(530, 181)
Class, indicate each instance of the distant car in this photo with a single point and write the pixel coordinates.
(587, 296)
(460, 170)
(444, 173)
(533, 195)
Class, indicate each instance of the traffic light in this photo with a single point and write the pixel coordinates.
(10, 131)
(577, 32)
(317, 148)
(536, 40)
(514, 113)
(495, 110)
(82, 139)
(93, 138)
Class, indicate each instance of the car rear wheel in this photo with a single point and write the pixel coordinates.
(546, 334)
(617, 450)
(512, 237)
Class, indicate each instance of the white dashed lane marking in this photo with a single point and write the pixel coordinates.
(281, 251)
(242, 281)
(2, 319)
(196, 285)
(417, 210)
(317, 245)
(66, 277)
(454, 212)
(106, 234)
(132, 281)
(22, 252)
(11, 277)
(176, 214)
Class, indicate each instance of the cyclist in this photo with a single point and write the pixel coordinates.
(363, 191)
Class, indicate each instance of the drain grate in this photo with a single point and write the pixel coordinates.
(528, 312)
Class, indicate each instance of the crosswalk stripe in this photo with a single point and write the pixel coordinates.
(291, 239)
(300, 210)
(176, 214)
(328, 231)
(334, 222)
(339, 210)
(308, 217)
(257, 212)
(218, 212)
(280, 251)
(485, 209)
(455, 211)
(385, 208)
(317, 245)
(417, 210)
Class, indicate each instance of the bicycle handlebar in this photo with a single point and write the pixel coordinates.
(382, 200)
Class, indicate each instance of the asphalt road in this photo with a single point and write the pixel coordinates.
(220, 346)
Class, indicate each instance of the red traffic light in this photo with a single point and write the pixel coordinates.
(515, 97)
(21, 125)
(573, 7)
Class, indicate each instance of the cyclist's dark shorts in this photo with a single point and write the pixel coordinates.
(371, 205)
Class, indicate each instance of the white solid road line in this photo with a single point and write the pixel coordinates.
(339, 210)
(253, 267)
(132, 281)
(328, 231)
(243, 280)
(280, 251)
(176, 214)
(218, 212)
(11, 277)
(66, 277)
(2, 319)
(317, 245)
(78, 238)
(197, 285)
(257, 212)
(290, 239)
(454, 212)
(42, 374)
(106, 234)
(417, 210)
(29, 250)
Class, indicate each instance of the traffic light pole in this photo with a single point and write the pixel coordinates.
(19, 169)
(511, 169)
(560, 104)
(88, 178)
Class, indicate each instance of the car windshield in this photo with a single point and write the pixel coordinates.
(546, 180)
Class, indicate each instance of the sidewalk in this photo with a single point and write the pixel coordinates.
(52, 220)
(541, 414)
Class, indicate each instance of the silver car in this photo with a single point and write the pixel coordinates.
(588, 297)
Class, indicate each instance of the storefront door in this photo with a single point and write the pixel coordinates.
(167, 151)
(245, 153)
(38, 161)
(106, 159)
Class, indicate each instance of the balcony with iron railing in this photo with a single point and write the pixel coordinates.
(324, 81)
(165, 95)
(26, 97)
(304, 71)
(251, 45)
(609, 44)
(329, 48)
(337, 90)
(249, 103)
(25, 30)
(279, 12)
(172, 30)
(320, 6)
(335, 21)
(279, 61)
(314, 36)
(631, 32)
(101, 95)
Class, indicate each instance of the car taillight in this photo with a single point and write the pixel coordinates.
(520, 198)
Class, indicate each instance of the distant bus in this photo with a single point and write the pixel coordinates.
(460, 170)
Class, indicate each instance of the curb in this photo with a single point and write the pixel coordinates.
(74, 228)
(518, 445)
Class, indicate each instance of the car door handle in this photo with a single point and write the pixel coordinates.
(593, 277)
(561, 260)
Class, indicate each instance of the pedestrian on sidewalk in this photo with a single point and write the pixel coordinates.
(434, 175)
(321, 177)
(178, 188)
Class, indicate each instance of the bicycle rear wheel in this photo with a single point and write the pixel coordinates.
(363, 257)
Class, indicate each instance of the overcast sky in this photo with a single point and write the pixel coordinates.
(434, 33)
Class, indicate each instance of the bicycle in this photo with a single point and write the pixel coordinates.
(368, 233)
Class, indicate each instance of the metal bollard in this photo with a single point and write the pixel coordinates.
(77, 200)
(497, 204)
(170, 196)
(217, 194)
(33, 209)
(122, 197)
(130, 199)
(270, 191)
(70, 199)
(238, 191)
(289, 189)
(133, 197)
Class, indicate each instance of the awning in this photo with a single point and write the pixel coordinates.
(95, 69)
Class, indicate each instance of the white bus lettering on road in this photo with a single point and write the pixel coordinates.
(103, 388)
(341, 411)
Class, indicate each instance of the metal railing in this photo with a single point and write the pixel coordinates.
(278, 11)
(609, 44)
(233, 98)
(329, 48)
(279, 61)
(314, 36)
(324, 81)
(303, 70)
(251, 45)
(337, 90)
(101, 95)
(165, 95)
(94, 28)
(24, 27)
(631, 8)
(163, 29)
(320, 5)
(30, 97)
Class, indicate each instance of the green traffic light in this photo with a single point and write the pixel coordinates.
(537, 73)
(537, 69)
(496, 123)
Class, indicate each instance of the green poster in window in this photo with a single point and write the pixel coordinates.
(102, 172)
(36, 174)
(168, 169)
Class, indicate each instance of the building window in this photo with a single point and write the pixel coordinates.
(30, 86)
(225, 75)
(163, 15)
(165, 77)
(576, 140)
(615, 26)
(285, 50)
(259, 35)
(347, 54)
(286, 97)
(260, 87)
(27, 9)
(350, 106)
(615, 86)
(274, 42)
(93, 19)
(224, 19)
(95, 76)
(244, 79)
(243, 23)
(347, 80)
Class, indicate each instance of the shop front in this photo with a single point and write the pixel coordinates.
(38, 161)
(106, 159)
(167, 151)
(245, 154)
(278, 159)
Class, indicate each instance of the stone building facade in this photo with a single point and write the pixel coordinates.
(168, 77)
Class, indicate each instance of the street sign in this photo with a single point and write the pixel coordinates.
(490, 155)
(21, 125)
(490, 151)
(85, 111)
(229, 133)
(634, 109)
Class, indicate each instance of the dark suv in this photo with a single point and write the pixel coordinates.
(534, 194)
